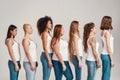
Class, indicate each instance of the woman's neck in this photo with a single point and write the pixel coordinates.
(47, 30)
(27, 36)
(91, 34)
(12, 37)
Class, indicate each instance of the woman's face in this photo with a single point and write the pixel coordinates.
(29, 29)
(49, 25)
(94, 30)
(76, 27)
(62, 31)
(14, 32)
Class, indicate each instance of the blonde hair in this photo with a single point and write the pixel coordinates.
(73, 29)
(25, 27)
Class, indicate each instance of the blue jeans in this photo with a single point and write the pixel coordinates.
(46, 69)
(106, 67)
(30, 75)
(77, 69)
(13, 73)
(91, 66)
(59, 70)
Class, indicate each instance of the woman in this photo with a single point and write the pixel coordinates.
(107, 52)
(91, 48)
(60, 55)
(75, 48)
(44, 26)
(30, 61)
(14, 52)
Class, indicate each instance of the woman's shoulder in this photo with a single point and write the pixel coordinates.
(25, 41)
(44, 35)
(92, 39)
(9, 41)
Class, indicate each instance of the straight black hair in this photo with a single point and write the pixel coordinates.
(10, 28)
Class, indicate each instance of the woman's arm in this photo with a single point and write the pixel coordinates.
(57, 52)
(19, 51)
(107, 37)
(93, 46)
(9, 44)
(44, 43)
(26, 44)
(75, 42)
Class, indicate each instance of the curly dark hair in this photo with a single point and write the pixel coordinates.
(42, 24)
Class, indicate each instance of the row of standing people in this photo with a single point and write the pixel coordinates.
(57, 52)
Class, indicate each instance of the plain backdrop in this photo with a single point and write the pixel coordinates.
(18, 12)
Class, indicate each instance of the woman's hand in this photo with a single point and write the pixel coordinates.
(98, 64)
(64, 67)
(80, 64)
(32, 67)
(112, 64)
(16, 67)
(50, 64)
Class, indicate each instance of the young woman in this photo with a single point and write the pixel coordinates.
(60, 55)
(75, 48)
(91, 48)
(44, 26)
(30, 61)
(14, 52)
(107, 42)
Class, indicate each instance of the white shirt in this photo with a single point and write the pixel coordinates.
(49, 38)
(90, 55)
(63, 51)
(104, 49)
(32, 52)
(80, 47)
(16, 51)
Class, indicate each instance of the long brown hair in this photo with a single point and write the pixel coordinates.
(9, 34)
(86, 33)
(106, 23)
(56, 34)
(73, 29)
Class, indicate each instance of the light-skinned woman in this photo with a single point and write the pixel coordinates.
(91, 48)
(30, 60)
(107, 46)
(60, 56)
(75, 48)
(14, 52)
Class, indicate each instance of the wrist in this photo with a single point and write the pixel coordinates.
(79, 61)
(112, 61)
(15, 64)
(49, 61)
(31, 64)
(63, 64)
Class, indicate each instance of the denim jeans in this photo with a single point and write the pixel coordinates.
(46, 69)
(106, 67)
(13, 73)
(59, 70)
(77, 69)
(30, 75)
(91, 66)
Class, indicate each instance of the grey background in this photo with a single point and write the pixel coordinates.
(19, 12)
